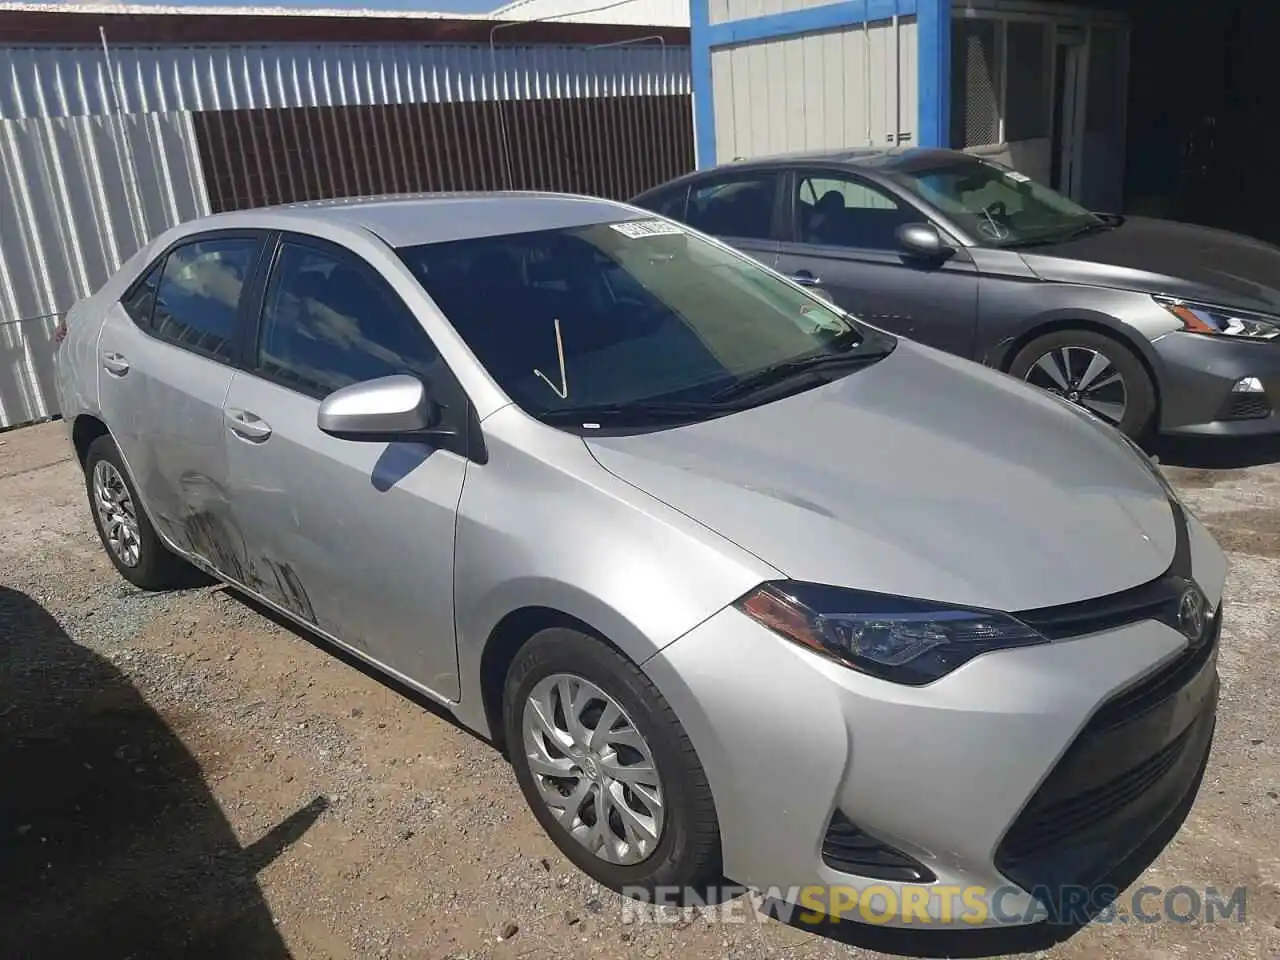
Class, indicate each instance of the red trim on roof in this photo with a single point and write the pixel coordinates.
(67, 27)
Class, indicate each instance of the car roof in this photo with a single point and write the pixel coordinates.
(871, 159)
(404, 220)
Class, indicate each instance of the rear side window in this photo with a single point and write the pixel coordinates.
(740, 206)
(198, 296)
(329, 321)
(141, 299)
(669, 203)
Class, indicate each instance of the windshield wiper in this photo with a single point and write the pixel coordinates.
(1075, 233)
(639, 411)
(778, 373)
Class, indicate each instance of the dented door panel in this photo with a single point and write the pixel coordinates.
(355, 538)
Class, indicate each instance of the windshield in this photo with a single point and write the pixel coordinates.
(999, 206)
(626, 313)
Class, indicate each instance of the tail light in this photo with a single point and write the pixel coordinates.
(60, 331)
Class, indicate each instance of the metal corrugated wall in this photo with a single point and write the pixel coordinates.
(101, 150)
(67, 81)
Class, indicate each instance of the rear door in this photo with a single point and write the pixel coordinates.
(840, 235)
(166, 357)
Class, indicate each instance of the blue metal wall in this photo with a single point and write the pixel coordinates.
(933, 25)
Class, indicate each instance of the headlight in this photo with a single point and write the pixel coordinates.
(894, 638)
(1221, 321)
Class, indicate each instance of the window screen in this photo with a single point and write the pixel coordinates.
(975, 83)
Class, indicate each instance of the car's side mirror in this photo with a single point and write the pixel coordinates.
(389, 408)
(923, 240)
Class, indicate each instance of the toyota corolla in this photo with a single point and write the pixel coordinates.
(743, 585)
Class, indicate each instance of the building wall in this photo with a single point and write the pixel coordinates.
(776, 76)
(1005, 82)
(840, 88)
(100, 151)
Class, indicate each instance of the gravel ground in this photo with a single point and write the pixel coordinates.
(184, 776)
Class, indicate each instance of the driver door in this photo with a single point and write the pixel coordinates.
(355, 538)
(841, 236)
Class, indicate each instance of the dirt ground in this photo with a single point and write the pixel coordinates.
(181, 776)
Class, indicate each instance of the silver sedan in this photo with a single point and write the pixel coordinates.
(744, 586)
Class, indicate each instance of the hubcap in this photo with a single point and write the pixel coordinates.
(593, 769)
(1085, 377)
(116, 513)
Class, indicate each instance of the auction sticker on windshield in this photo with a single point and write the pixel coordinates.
(636, 229)
(1017, 177)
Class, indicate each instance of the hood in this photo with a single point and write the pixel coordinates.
(923, 475)
(1161, 256)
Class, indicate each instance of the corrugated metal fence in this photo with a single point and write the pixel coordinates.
(101, 149)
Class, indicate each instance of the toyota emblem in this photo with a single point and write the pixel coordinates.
(1191, 614)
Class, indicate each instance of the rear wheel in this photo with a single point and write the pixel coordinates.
(607, 768)
(1093, 371)
(126, 532)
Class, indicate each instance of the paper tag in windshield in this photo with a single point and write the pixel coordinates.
(638, 229)
(1017, 177)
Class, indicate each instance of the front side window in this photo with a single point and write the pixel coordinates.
(998, 205)
(617, 314)
(740, 206)
(198, 296)
(837, 211)
(328, 321)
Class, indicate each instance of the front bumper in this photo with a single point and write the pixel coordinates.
(1021, 773)
(1196, 377)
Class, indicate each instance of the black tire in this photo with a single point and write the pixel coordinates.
(157, 567)
(1141, 402)
(687, 855)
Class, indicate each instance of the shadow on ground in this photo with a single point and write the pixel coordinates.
(1216, 454)
(111, 843)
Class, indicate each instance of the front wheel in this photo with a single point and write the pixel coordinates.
(607, 768)
(1095, 372)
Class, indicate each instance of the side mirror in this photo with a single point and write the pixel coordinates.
(924, 241)
(389, 408)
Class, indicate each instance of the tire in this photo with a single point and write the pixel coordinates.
(155, 567)
(1075, 349)
(686, 854)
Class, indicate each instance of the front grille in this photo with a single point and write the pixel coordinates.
(1045, 825)
(1133, 764)
(1156, 689)
(1247, 406)
(1156, 600)
(850, 849)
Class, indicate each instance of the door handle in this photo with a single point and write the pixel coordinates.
(248, 426)
(115, 364)
(806, 278)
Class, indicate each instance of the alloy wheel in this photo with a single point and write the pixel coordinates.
(1084, 376)
(593, 769)
(116, 513)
